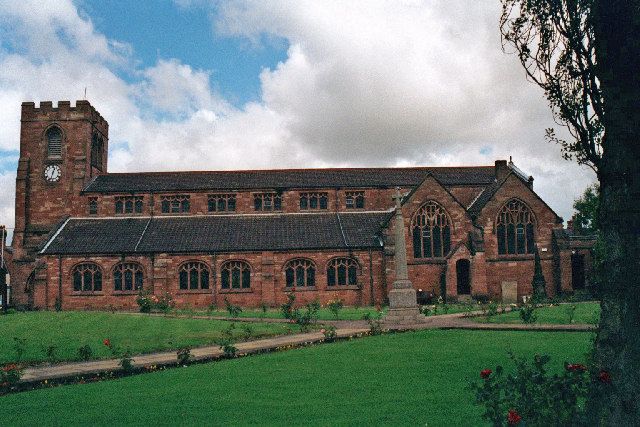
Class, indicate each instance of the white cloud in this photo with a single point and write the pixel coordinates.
(364, 83)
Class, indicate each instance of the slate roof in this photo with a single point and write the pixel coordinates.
(286, 178)
(218, 233)
(483, 198)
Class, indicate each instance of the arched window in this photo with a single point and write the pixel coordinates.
(128, 276)
(342, 272)
(54, 142)
(235, 275)
(87, 277)
(431, 230)
(194, 275)
(514, 228)
(300, 273)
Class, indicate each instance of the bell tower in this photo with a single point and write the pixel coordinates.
(61, 150)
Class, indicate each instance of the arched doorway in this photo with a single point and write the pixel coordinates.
(463, 275)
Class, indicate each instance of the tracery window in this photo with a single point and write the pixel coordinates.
(87, 277)
(515, 229)
(342, 272)
(175, 204)
(128, 276)
(128, 205)
(93, 206)
(235, 275)
(267, 202)
(222, 202)
(54, 142)
(355, 200)
(313, 201)
(431, 229)
(300, 273)
(194, 275)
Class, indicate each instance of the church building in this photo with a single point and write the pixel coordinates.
(88, 239)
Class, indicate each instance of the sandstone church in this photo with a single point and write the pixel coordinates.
(88, 239)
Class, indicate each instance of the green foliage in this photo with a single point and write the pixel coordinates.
(233, 310)
(329, 333)
(227, 342)
(58, 304)
(51, 353)
(126, 362)
(528, 311)
(585, 221)
(69, 330)
(305, 318)
(287, 308)
(334, 306)
(247, 329)
(492, 309)
(265, 307)
(375, 323)
(148, 302)
(85, 352)
(19, 346)
(184, 355)
(10, 375)
(426, 376)
(532, 393)
(571, 312)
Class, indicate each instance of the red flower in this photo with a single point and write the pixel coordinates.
(10, 367)
(513, 418)
(576, 367)
(604, 377)
(107, 342)
(484, 374)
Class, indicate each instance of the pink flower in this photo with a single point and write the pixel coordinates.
(107, 342)
(322, 331)
(576, 367)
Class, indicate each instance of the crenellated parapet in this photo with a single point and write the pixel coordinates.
(64, 111)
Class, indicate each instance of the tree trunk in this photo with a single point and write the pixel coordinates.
(617, 346)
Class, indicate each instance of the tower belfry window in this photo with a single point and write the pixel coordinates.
(54, 142)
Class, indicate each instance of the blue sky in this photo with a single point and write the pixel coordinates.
(163, 29)
(243, 84)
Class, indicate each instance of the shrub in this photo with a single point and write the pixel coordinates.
(164, 303)
(126, 362)
(248, 331)
(10, 375)
(532, 395)
(234, 310)
(50, 353)
(425, 310)
(227, 342)
(265, 307)
(287, 307)
(375, 322)
(492, 309)
(184, 355)
(306, 318)
(445, 308)
(528, 312)
(19, 346)
(571, 312)
(144, 301)
(85, 352)
(335, 305)
(329, 333)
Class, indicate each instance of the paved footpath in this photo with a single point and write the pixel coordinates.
(344, 329)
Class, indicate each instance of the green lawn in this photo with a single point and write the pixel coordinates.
(416, 378)
(586, 313)
(347, 313)
(142, 334)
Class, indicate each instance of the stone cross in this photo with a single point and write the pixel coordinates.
(400, 242)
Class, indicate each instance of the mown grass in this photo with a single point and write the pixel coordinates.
(585, 313)
(67, 331)
(417, 378)
(346, 313)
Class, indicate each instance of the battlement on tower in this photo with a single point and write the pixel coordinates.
(64, 111)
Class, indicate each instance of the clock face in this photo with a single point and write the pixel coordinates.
(52, 173)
